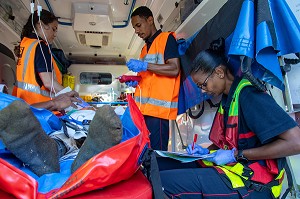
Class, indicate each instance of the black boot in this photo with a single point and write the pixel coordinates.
(23, 135)
(105, 131)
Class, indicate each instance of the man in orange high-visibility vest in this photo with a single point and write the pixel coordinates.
(159, 67)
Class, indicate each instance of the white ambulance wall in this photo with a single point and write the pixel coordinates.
(187, 127)
(84, 89)
(7, 37)
(7, 71)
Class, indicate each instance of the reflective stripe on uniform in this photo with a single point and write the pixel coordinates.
(26, 60)
(276, 190)
(32, 88)
(154, 58)
(156, 102)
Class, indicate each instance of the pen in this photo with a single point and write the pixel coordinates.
(195, 140)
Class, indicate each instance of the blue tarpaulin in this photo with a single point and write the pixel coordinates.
(265, 30)
(260, 30)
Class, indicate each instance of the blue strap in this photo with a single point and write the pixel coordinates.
(68, 118)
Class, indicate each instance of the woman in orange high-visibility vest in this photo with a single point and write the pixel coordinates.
(38, 76)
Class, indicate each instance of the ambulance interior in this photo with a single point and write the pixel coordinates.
(96, 39)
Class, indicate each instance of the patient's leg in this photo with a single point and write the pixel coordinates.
(23, 135)
(105, 131)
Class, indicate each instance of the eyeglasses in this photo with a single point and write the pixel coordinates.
(204, 84)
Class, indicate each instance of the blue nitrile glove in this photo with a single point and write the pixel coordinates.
(137, 65)
(222, 157)
(132, 83)
(198, 150)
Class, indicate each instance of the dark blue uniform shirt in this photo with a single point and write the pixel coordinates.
(258, 113)
(171, 50)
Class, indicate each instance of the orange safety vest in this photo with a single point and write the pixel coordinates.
(157, 95)
(26, 86)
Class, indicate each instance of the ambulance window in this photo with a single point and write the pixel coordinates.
(95, 78)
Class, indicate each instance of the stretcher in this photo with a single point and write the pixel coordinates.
(136, 187)
(113, 173)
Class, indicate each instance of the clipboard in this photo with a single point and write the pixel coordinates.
(183, 157)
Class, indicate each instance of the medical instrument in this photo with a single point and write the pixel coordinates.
(39, 10)
(127, 78)
(69, 119)
(86, 122)
(72, 126)
(195, 140)
(82, 103)
(76, 125)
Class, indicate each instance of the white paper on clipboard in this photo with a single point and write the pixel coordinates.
(183, 157)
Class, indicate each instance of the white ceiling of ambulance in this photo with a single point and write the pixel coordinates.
(123, 43)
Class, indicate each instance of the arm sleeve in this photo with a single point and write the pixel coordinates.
(263, 115)
(171, 50)
(39, 61)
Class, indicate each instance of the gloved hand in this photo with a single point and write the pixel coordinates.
(137, 65)
(132, 83)
(222, 157)
(198, 150)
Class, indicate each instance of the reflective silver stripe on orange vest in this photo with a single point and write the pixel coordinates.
(154, 58)
(26, 60)
(32, 88)
(156, 102)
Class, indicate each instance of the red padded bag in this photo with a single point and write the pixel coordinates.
(106, 168)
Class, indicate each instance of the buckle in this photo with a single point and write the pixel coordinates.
(247, 172)
(258, 187)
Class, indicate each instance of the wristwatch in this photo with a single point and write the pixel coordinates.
(240, 157)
